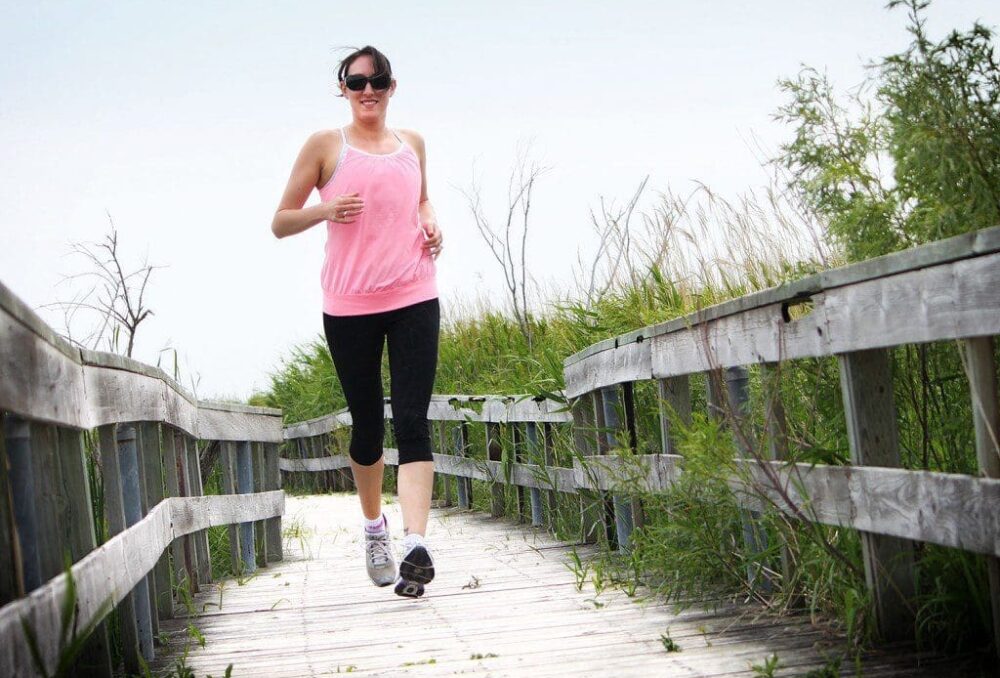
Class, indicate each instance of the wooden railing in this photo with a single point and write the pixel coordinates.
(147, 428)
(942, 292)
(945, 291)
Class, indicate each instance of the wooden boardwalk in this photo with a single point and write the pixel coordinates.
(505, 603)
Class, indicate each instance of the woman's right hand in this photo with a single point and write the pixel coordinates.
(344, 209)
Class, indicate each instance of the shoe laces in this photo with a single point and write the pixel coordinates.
(378, 549)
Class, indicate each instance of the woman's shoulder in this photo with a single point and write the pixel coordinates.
(325, 139)
(411, 136)
(415, 141)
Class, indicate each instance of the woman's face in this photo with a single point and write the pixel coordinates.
(368, 103)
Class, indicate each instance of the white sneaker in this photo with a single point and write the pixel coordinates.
(379, 560)
(417, 565)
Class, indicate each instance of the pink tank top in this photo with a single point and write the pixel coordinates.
(377, 263)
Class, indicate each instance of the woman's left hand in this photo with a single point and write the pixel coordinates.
(433, 242)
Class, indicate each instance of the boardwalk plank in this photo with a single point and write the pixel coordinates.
(502, 589)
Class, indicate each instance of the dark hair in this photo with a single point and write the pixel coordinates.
(380, 61)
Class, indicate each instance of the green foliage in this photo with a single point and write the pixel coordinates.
(913, 154)
(668, 643)
(767, 668)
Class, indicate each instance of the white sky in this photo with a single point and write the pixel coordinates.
(182, 120)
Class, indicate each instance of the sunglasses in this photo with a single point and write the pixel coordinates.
(357, 83)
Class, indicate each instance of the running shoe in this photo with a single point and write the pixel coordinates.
(417, 565)
(379, 559)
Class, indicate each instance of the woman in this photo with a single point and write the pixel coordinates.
(379, 285)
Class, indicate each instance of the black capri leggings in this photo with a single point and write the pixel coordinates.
(355, 343)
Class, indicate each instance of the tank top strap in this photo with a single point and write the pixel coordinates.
(343, 149)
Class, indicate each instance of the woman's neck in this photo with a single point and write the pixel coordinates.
(369, 131)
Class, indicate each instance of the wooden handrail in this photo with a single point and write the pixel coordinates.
(50, 392)
(46, 379)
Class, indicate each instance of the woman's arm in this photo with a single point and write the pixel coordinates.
(290, 217)
(426, 211)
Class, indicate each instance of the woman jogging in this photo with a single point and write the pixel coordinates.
(379, 285)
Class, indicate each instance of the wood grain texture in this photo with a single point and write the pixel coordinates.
(982, 373)
(504, 603)
(673, 404)
(952, 300)
(11, 574)
(870, 410)
(272, 478)
(109, 572)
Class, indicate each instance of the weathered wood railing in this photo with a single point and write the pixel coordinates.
(147, 428)
(945, 291)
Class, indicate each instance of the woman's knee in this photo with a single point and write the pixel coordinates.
(410, 453)
(367, 439)
(413, 438)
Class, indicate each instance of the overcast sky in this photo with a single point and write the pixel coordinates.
(182, 119)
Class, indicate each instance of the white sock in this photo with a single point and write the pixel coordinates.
(411, 540)
(375, 526)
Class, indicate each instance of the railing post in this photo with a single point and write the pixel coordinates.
(628, 391)
(607, 506)
(299, 478)
(315, 481)
(114, 508)
(548, 453)
(494, 452)
(203, 562)
(674, 397)
(754, 537)
(330, 478)
(622, 504)
(227, 459)
(17, 435)
(537, 515)
(443, 449)
(517, 454)
(323, 479)
(184, 484)
(95, 658)
(272, 479)
(260, 534)
(11, 573)
(462, 483)
(777, 444)
(173, 490)
(337, 478)
(152, 476)
(49, 500)
(244, 478)
(870, 409)
(982, 371)
(714, 390)
(584, 443)
(132, 505)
